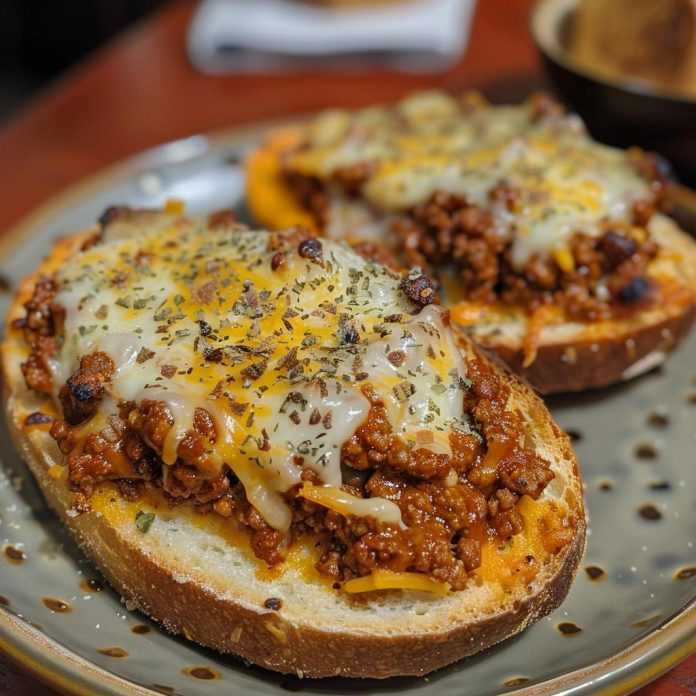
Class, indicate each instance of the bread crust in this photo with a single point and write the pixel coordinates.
(593, 363)
(597, 355)
(233, 621)
(582, 361)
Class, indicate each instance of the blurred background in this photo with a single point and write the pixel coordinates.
(84, 83)
(39, 40)
(644, 47)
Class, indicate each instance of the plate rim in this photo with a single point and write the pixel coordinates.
(642, 661)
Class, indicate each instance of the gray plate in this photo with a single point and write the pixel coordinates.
(636, 443)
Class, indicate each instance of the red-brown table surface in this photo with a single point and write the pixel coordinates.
(140, 90)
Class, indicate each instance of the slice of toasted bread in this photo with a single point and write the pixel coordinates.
(196, 577)
(562, 355)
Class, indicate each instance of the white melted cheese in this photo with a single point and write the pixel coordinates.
(567, 182)
(426, 389)
(285, 390)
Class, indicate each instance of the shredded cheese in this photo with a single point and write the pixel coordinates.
(521, 559)
(271, 201)
(565, 182)
(347, 504)
(564, 259)
(196, 317)
(390, 580)
(541, 317)
(175, 206)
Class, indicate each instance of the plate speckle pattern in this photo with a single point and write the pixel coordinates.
(636, 443)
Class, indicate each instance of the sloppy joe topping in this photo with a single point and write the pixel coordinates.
(314, 398)
(518, 199)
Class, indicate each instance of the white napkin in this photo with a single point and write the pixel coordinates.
(263, 35)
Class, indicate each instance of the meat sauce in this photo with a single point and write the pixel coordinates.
(599, 277)
(447, 230)
(450, 503)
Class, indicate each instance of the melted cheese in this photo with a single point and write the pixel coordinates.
(195, 317)
(338, 500)
(425, 390)
(567, 182)
(521, 558)
(381, 579)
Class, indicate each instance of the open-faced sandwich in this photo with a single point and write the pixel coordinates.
(547, 244)
(277, 448)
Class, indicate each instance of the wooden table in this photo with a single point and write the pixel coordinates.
(140, 90)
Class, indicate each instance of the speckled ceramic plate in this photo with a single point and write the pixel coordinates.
(630, 615)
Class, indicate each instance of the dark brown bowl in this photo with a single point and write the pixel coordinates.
(617, 112)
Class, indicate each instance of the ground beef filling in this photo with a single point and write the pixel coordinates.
(450, 504)
(605, 277)
(81, 395)
(42, 323)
